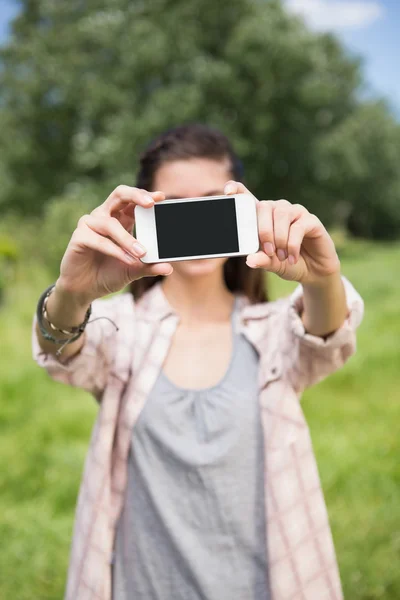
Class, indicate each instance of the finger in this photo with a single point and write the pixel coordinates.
(295, 239)
(156, 269)
(281, 222)
(128, 210)
(259, 260)
(265, 226)
(86, 237)
(110, 227)
(272, 264)
(123, 195)
(157, 196)
(235, 187)
(126, 216)
(297, 232)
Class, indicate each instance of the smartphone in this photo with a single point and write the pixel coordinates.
(193, 228)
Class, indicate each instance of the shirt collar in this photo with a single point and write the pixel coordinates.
(153, 305)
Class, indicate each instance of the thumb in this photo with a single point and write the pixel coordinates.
(260, 260)
(149, 270)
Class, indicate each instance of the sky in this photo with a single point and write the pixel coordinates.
(368, 28)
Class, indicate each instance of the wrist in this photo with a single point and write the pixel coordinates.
(324, 304)
(67, 295)
(323, 282)
(66, 309)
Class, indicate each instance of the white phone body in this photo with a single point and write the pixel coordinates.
(178, 229)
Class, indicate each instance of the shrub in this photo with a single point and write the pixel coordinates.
(8, 259)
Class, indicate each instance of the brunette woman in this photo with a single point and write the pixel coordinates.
(200, 480)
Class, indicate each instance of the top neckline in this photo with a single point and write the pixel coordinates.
(228, 370)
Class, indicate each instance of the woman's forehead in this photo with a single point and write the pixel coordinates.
(192, 177)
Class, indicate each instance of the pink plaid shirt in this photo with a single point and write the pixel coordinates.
(120, 368)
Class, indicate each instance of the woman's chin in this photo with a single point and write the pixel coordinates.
(198, 267)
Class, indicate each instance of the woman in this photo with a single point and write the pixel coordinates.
(200, 480)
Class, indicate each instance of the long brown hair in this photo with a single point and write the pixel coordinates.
(199, 141)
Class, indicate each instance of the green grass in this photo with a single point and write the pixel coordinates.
(354, 418)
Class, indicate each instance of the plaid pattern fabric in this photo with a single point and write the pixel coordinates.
(120, 368)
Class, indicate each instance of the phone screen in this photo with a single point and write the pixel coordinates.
(196, 228)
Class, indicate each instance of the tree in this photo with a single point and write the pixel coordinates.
(86, 84)
(361, 159)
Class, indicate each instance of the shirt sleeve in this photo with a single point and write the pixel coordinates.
(89, 369)
(312, 358)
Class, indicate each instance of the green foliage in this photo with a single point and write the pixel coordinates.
(60, 219)
(363, 157)
(85, 85)
(8, 249)
(8, 257)
(45, 237)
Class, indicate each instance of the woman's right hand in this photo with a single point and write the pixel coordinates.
(102, 256)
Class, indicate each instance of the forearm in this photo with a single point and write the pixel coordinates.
(325, 307)
(65, 310)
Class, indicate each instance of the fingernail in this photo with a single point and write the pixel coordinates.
(291, 259)
(149, 199)
(138, 249)
(251, 266)
(269, 248)
(281, 254)
(230, 188)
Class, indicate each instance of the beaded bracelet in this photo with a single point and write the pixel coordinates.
(73, 332)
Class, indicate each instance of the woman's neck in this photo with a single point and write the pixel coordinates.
(199, 299)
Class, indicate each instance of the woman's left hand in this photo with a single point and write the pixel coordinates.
(294, 244)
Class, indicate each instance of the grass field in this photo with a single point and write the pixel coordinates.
(354, 418)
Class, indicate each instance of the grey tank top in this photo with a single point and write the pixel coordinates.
(193, 522)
